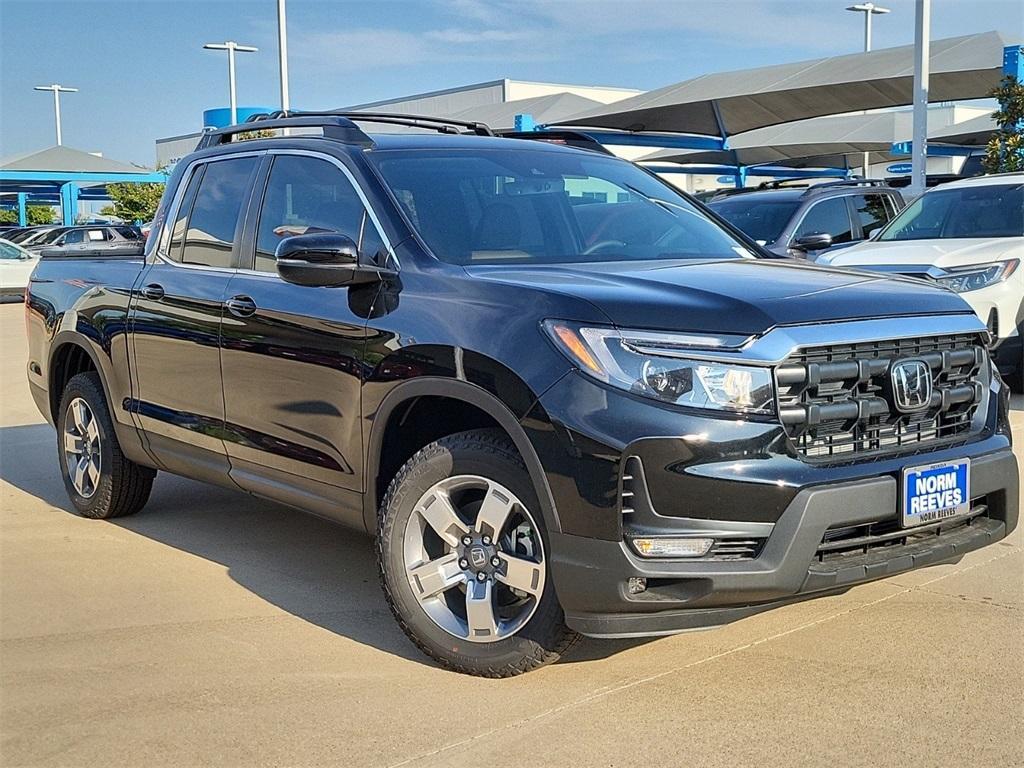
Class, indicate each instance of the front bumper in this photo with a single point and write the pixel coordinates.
(592, 576)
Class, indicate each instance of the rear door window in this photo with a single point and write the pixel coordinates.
(221, 195)
(74, 237)
(830, 217)
(872, 213)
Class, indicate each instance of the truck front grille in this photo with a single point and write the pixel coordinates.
(836, 401)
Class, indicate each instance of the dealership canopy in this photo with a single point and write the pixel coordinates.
(970, 133)
(543, 109)
(728, 103)
(63, 175)
(819, 142)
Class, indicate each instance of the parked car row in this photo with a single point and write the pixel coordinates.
(22, 247)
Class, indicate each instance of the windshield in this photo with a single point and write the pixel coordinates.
(992, 210)
(532, 206)
(762, 219)
(9, 251)
(47, 237)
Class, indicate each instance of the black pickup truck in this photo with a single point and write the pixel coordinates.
(561, 396)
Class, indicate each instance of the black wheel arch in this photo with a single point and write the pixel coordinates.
(70, 343)
(472, 395)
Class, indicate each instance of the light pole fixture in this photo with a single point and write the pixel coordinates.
(869, 10)
(231, 46)
(57, 91)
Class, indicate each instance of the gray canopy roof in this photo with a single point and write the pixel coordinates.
(820, 142)
(61, 159)
(961, 68)
(544, 109)
(970, 133)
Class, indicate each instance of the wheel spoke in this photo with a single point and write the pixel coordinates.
(494, 511)
(73, 443)
(436, 576)
(79, 477)
(480, 610)
(93, 471)
(524, 575)
(80, 415)
(92, 431)
(440, 515)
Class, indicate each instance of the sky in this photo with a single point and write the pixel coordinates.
(142, 73)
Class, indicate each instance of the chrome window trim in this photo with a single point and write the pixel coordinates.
(776, 345)
(172, 213)
(355, 185)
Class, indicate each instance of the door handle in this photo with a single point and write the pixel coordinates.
(241, 306)
(153, 291)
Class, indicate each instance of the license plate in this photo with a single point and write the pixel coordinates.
(936, 492)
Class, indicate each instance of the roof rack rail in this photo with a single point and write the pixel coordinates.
(854, 182)
(439, 124)
(334, 126)
(577, 139)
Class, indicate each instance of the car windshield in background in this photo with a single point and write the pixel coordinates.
(761, 219)
(991, 210)
(9, 251)
(486, 206)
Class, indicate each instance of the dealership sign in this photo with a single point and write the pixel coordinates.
(899, 168)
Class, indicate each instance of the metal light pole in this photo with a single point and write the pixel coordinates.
(922, 52)
(282, 53)
(57, 91)
(869, 10)
(231, 46)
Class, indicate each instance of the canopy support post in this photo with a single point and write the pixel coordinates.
(22, 210)
(69, 203)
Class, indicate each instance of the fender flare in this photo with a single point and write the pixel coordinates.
(471, 394)
(60, 341)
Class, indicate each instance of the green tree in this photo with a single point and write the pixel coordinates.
(39, 214)
(34, 214)
(135, 202)
(1005, 150)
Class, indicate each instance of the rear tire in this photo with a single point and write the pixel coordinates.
(480, 475)
(100, 481)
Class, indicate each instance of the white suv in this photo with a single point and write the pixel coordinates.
(968, 236)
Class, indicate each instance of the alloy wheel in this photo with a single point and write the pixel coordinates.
(474, 558)
(82, 454)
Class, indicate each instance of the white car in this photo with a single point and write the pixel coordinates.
(968, 236)
(16, 265)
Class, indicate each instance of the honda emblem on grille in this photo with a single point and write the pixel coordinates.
(911, 382)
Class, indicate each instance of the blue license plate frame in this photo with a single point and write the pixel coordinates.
(932, 493)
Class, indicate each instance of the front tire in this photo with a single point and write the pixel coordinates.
(100, 481)
(463, 557)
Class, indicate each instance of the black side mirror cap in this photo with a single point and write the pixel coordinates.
(323, 259)
(816, 241)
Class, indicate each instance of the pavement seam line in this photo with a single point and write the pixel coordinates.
(608, 691)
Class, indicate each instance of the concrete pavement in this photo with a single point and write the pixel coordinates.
(216, 629)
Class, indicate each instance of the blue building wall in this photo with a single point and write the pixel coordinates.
(221, 117)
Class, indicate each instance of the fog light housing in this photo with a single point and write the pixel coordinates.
(671, 546)
(636, 585)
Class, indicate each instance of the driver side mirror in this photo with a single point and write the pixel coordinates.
(322, 259)
(816, 241)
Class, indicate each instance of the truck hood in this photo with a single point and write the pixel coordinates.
(728, 296)
(927, 253)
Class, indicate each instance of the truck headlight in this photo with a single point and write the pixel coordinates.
(666, 366)
(978, 276)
